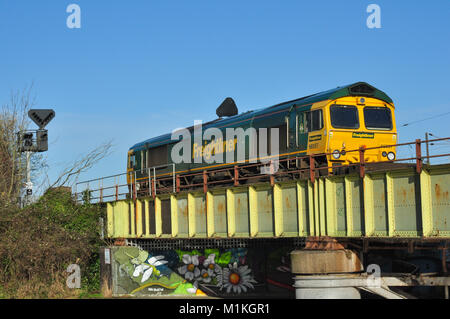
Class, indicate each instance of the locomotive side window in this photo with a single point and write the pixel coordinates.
(158, 156)
(312, 121)
(378, 118)
(344, 116)
(283, 135)
(317, 120)
(301, 126)
(143, 160)
(132, 161)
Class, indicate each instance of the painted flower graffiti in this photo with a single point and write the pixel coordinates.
(146, 265)
(236, 278)
(211, 271)
(206, 276)
(233, 276)
(150, 274)
(149, 267)
(189, 270)
(211, 265)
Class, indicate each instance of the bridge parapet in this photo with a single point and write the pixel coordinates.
(398, 203)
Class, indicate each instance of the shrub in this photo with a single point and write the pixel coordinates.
(38, 243)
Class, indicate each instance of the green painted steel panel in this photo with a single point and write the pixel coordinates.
(182, 214)
(340, 208)
(220, 214)
(380, 205)
(357, 207)
(290, 210)
(200, 216)
(303, 206)
(120, 217)
(440, 199)
(264, 198)
(242, 221)
(406, 195)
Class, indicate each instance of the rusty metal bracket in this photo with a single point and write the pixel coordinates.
(418, 156)
(322, 243)
(236, 175)
(178, 183)
(205, 181)
(362, 163)
(312, 168)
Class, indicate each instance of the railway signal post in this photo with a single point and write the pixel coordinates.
(34, 141)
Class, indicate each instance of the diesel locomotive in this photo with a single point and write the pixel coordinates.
(333, 123)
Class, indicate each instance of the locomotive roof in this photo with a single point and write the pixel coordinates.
(355, 89)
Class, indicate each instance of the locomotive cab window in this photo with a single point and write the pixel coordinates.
(312, 121)
(344, 116)
(131, 163)
(378, 118)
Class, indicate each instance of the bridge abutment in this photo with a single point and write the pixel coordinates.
(320, 261)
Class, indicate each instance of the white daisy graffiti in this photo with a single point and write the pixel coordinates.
(211, 265)
(235, 278)
(189, 269)
(147, 268)
(206, 275)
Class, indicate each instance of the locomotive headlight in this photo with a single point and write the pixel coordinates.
(384, 154)
(336, 154)
(391, 156)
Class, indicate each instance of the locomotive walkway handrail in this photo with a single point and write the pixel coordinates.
(170, 182)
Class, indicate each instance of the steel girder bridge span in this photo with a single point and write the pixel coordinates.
(399, 207)
(396, 204)
(338, 216)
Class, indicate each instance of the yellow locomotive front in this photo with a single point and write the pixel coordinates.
(356, 122)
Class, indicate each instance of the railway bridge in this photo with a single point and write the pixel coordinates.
(310, 235)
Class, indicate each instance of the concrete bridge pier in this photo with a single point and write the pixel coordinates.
(320, 267)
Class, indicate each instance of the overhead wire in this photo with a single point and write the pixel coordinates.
(426, 119)
(434, 135)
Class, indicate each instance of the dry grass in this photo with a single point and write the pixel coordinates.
(106, 290)
(56, 289)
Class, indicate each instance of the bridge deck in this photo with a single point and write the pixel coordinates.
(397, 203)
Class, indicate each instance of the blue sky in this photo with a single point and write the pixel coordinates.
(138, 69)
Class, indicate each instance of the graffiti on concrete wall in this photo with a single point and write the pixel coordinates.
(213, 272)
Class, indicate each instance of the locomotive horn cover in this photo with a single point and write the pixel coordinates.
(227, 108)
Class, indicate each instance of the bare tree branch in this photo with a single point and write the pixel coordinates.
(70, 174)
(13, 118)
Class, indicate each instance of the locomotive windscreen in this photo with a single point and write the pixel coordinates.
(344, 116)
(378, 118)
